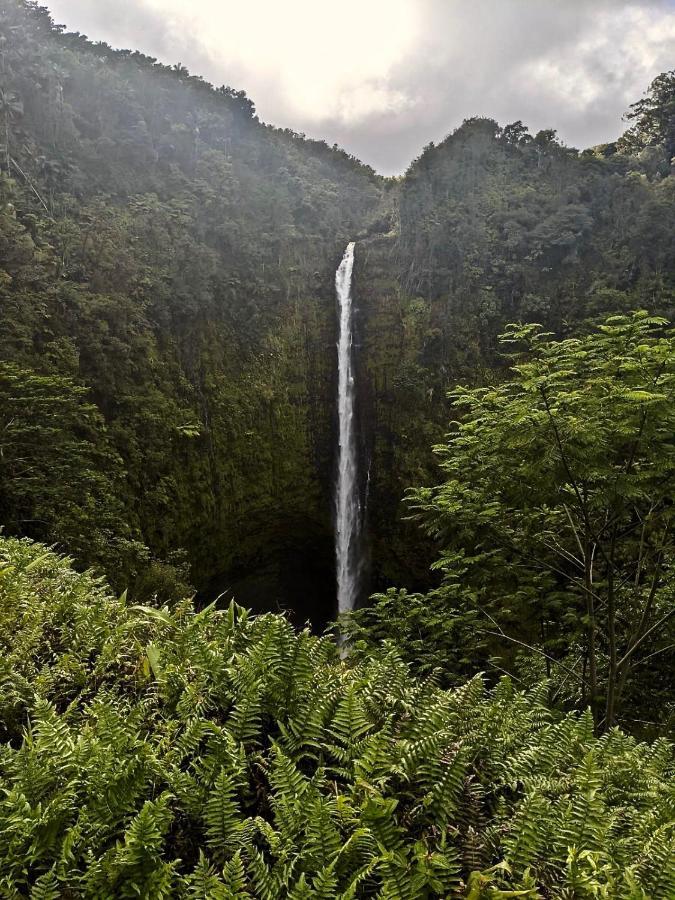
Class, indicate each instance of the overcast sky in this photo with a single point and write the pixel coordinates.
(382, 78)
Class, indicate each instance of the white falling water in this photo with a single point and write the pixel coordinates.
(348, 513)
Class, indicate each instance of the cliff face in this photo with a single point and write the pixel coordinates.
(402, 412)
(492, 226)
(168, 275)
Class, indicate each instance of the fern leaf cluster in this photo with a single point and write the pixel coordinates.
(173, 753)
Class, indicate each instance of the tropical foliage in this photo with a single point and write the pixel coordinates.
(555, 520)
(166, 752)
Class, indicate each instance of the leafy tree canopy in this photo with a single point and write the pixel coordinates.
(556, 518)
(653, 118)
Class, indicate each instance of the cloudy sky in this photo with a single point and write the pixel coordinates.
(382, 78)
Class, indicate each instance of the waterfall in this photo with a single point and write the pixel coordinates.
(347, 503)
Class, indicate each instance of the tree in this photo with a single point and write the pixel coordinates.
(11, 108)
(653, 117)
(516, 133)
(556, 512)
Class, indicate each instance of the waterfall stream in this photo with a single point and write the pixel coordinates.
(347, 501)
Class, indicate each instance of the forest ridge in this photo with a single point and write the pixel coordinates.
(167, 425)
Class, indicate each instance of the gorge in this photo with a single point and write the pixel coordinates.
(168, 279)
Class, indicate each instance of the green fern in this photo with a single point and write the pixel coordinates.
(260, 765)
(222, 817)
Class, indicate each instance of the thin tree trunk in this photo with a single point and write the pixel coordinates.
(611, 637)
(591, 632)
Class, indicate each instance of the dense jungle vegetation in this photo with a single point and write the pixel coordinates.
(496, 723)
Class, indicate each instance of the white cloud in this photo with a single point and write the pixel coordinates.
(318, 60)
(622, 52)
(383, 77)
